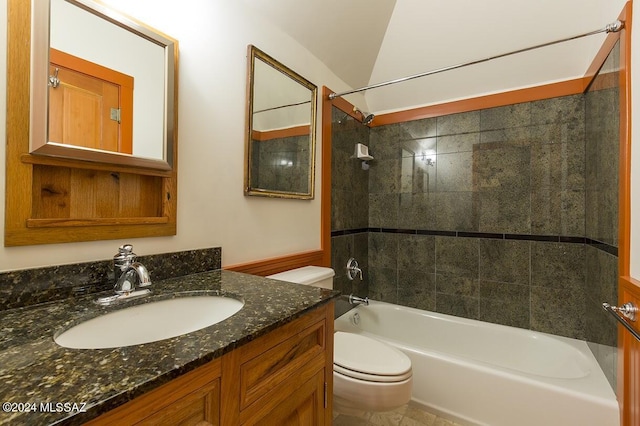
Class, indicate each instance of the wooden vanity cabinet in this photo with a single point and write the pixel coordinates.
(282, 378)
(191, 399)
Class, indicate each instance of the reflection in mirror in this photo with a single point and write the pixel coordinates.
(106, 92)
(281, 128)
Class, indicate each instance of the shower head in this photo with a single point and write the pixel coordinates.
(367, 117)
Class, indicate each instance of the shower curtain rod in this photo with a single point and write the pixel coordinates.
(613, 27)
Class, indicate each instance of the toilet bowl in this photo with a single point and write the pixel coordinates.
(368, 375)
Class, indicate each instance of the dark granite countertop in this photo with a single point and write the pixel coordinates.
(34, 370)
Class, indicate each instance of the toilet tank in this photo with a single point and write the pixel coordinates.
(318, 276)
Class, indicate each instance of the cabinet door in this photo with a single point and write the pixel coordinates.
(191, 399)
(304, 406)
(199, 408)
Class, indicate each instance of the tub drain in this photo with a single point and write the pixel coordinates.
(355, 319)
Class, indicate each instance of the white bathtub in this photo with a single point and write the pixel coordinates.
(487, 374)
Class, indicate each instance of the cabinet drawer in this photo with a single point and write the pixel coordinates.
(294, 349)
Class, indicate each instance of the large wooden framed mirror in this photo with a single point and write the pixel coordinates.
(281, 130)
(92, 99)
(58, 192)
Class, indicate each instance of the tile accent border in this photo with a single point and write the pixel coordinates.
(485, 235)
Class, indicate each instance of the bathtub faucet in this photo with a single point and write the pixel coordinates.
(355, 300)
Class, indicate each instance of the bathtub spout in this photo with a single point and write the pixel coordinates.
(355, 300)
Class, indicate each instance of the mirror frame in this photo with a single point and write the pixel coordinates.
(253, 54)
(38, 131)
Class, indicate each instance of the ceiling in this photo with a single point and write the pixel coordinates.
(345, 35)
(365, 42)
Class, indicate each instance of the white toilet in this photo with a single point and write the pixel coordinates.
(368, 375)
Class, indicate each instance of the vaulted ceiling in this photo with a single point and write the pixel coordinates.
(366, 42)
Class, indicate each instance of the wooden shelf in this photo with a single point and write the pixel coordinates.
(56, 223)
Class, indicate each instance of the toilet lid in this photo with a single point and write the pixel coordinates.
(362, 354)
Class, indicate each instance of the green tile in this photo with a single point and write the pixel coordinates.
(505, 261)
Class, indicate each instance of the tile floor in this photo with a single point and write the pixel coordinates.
(407, 415)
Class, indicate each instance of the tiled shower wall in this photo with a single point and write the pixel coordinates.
(494, 228)
(281, 164)
(499, 215)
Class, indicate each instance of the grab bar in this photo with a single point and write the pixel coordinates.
(628, 310)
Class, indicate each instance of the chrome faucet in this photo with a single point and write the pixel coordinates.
(126, 270)
(355, 300)
(128, 275)
(133, 272)
(353, 271)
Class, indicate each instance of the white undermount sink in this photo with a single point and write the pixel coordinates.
(149, 322)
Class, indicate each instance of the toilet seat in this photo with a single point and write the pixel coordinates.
(364, 358)
(370, 377)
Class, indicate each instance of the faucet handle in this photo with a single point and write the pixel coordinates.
(125, 250)
(125, 256)
(353, 270)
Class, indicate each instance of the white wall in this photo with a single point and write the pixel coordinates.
(212, 210)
